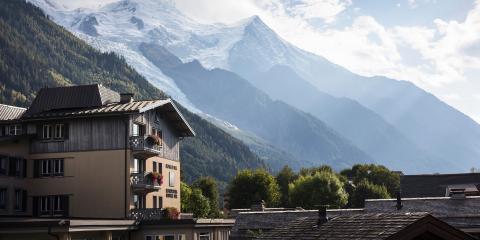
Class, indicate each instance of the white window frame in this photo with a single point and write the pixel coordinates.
(59, 131)
(204, 236)
(135, 129)
(58, 163)
(46, 134)
(45, 205)
(57, 203)
(171, 179)
(15, 129)
(45, 170)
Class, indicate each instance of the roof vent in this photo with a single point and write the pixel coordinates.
(126, 97)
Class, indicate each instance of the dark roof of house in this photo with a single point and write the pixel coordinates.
(82, 96)
(366, 226)
(434, 185)
(267, 220)
(96, 100)
(8, 113)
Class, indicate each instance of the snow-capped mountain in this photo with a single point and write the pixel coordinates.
(402, 114)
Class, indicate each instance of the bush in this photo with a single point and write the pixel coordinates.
(171, 213)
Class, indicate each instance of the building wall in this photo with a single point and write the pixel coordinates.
(94, 181)
(85, 134)
(94, 165)
(14, 148)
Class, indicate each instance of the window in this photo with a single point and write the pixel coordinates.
(3, 198)
(16, 167)
(155, 202)
(135, 130)
(139, 201)
(19, 198)
(181, 237)
(59, 131)
(204, 236)
(58, 167)
(56, 205)
(159, 134)
(149, 238)
(169, 237)
(171, 179)
(155, 166)
(15, 129)
(171, 193)
(51, 167)
(45, 205)
(3, 131)
(3, 165)
(224, 235)
(47, 131)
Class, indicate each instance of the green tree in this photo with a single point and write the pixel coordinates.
(199, 204)
(186, 194)
(249, 186)
(284, 178)
(367, 190)
(311, 171)
(209, 189)
(375, 174)
(323, 188)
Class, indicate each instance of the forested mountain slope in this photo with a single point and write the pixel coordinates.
(35, 52)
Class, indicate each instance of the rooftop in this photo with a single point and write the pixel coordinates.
(366, 226)
(91, 100)
(436, 185)
(8, 113)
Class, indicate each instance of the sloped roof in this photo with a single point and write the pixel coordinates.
(82, 96)
(96, 100)
(365, 226)
(8, 113)
(434, 185)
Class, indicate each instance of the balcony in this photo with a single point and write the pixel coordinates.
(146, 214)
(145, 147)
(143, 183)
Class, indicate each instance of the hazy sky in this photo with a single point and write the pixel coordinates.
(433, 43)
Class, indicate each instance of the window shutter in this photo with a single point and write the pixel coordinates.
(66, 131)
(24, 164)
(64, 204)
(24, 200)
(36, 168)
(11, 166)
(35, 205)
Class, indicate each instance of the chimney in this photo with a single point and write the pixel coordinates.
(258, 206)
(322, 214)
(399, 200)
(126, 97)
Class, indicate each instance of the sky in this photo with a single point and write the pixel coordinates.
(432, 43)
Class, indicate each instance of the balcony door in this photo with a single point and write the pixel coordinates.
(138, 165)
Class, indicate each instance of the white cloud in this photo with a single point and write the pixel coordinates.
(324, 9)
